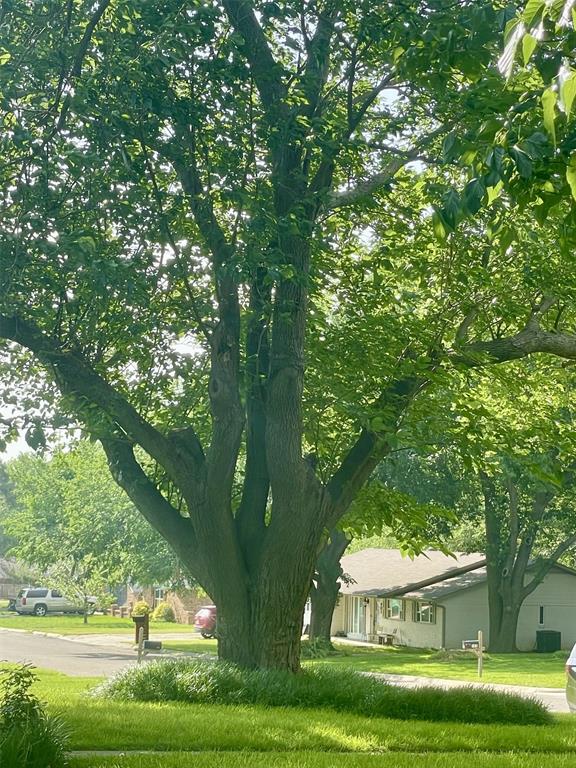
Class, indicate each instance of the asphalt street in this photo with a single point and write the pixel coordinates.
(70, 657)
(83, 658)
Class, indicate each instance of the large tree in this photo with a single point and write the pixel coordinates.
(506, 466)
(186, 251)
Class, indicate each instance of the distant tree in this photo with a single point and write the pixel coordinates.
(505, 465)
(70, 521)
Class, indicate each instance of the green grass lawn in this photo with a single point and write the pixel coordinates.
(73, 625)
(322, 760)
(544, 670)
(533, 669)
(207, 736)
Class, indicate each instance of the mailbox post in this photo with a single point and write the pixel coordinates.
(141, 623)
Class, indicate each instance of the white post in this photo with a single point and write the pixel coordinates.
(480, 654)
(140, 644)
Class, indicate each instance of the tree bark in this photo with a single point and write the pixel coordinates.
(326, 586)
(504, 626)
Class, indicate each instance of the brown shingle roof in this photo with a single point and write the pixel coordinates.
(384, 572)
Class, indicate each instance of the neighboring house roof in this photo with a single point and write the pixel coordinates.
(385, 573)
(430, 576)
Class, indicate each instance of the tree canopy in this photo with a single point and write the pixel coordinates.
(66, 518)
(232, 250)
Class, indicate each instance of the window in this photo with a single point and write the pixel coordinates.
(56, 593)
(395, 609)
(37, 593)
(159, 593)
(541, 616)
(424, 613)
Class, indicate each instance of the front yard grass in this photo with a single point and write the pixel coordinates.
(99, 724)
(213, 736)
(322, 760)
(70, 624)
(541, 670)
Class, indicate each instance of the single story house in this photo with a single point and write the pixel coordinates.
(436, 601)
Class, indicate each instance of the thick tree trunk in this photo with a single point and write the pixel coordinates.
(324, 598)
(503, 634)
(263, 634)
(326, 586)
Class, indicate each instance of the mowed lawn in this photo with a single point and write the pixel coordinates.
(545, 670)
(531, 669)
(73, 624)
(233, 736)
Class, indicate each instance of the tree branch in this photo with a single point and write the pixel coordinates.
(545, 564)
(368, 187)
(76, 69)
(266, 71)
(370, 447)
(75, 376)
(526, 342)
(316, 71)
(161, 515)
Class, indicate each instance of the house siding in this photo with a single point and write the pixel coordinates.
(467, 612)
(557, 594)
(460, 615)
(405, 631)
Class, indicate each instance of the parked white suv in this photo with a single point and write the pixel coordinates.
(41, 600)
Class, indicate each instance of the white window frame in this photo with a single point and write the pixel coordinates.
(389, 609)
(418, 612)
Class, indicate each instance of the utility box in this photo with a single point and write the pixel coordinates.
(548, 641)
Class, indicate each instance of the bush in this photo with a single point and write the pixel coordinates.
(342, 690)
(316, 649)
(140, 608)
(28, 736)
(453, 654)
(164, 612)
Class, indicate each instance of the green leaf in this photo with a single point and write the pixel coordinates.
(549, 99)
(494, 192)
(473, 195)
(571, 179)
(568, 92)
(523, 162)
(532, 9)
(514, 32)
(5, 57)
(449, 150)
(438, 227)
(529, 44)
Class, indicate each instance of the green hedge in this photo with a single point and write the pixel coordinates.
(317, 687)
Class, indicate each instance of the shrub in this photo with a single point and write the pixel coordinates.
(454, 654)
(164, 612)
(140, 608)
(319, 686)
(28, 736)
(316, 649)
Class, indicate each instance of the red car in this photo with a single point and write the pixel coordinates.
(205, 621)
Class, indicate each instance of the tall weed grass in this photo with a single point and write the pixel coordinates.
(317, 687)
(29, 738)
